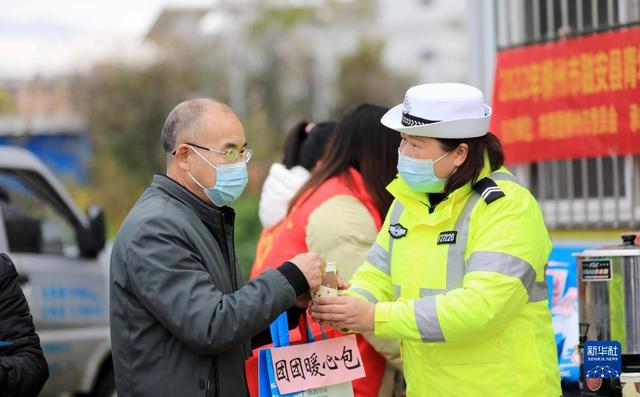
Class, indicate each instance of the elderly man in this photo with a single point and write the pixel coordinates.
(181, 319)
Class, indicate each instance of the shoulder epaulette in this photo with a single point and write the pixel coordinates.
(489, 190)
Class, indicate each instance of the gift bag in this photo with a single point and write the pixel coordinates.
(280, 335)
(319, 368)
(251, 371)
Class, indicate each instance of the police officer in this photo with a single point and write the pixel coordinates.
(457, 271)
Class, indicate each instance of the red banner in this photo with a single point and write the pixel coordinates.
(573, 98)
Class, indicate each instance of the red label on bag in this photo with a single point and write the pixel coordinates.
(313, 365)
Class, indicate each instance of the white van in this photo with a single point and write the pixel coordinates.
(63, 270)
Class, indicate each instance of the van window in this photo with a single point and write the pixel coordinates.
(34, 217)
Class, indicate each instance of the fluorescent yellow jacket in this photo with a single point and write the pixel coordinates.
(463, 288)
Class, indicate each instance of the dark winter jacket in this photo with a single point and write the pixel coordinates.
(181, 317)
(23, 368)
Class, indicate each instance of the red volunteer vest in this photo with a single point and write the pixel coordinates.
(288, 239)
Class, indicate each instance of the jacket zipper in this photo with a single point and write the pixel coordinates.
(244, 351)
(215, 377)
(216, 386)
(230, 253)
(214, 372)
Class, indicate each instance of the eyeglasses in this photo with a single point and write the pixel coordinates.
(231, 155)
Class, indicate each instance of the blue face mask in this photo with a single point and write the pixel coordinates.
(231, 180)
(419, 174)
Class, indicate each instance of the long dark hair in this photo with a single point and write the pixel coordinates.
(488, 145)
(315, 144)
(305, 148)
(292, 144)
(362, 142)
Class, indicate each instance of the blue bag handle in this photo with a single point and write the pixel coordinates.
(324, 334)
(280, 330)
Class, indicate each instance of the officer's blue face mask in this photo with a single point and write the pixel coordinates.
(420, 175)
(231, 180)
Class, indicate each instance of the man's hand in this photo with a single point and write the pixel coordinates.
(312, 266)
(303, 301)
(345, 311)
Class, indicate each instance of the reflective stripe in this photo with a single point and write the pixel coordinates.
(379, 258)
(431, 292)
(503, 176)
(539, 292)
(427, 319)
(455, 255)
(396, 291)
(365, 294)
(396, 213)
(511, 266)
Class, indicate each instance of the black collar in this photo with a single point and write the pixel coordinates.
(434, 200)
(203, 209)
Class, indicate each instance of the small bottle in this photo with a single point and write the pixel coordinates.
(329, 284)
(330, 279)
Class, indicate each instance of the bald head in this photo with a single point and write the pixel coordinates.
(196, 138)
(188, 119)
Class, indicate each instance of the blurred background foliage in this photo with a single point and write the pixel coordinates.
(248, 230)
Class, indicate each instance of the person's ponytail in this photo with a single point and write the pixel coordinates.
(488, 145)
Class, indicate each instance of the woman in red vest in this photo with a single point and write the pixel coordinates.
(303, 148)
(337, 214)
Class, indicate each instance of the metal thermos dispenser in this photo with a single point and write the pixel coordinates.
(609, 298)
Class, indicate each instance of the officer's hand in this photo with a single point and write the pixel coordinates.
(342, 285)
(345, 311)
(312, 266)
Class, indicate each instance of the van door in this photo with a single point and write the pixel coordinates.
(67, 294)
